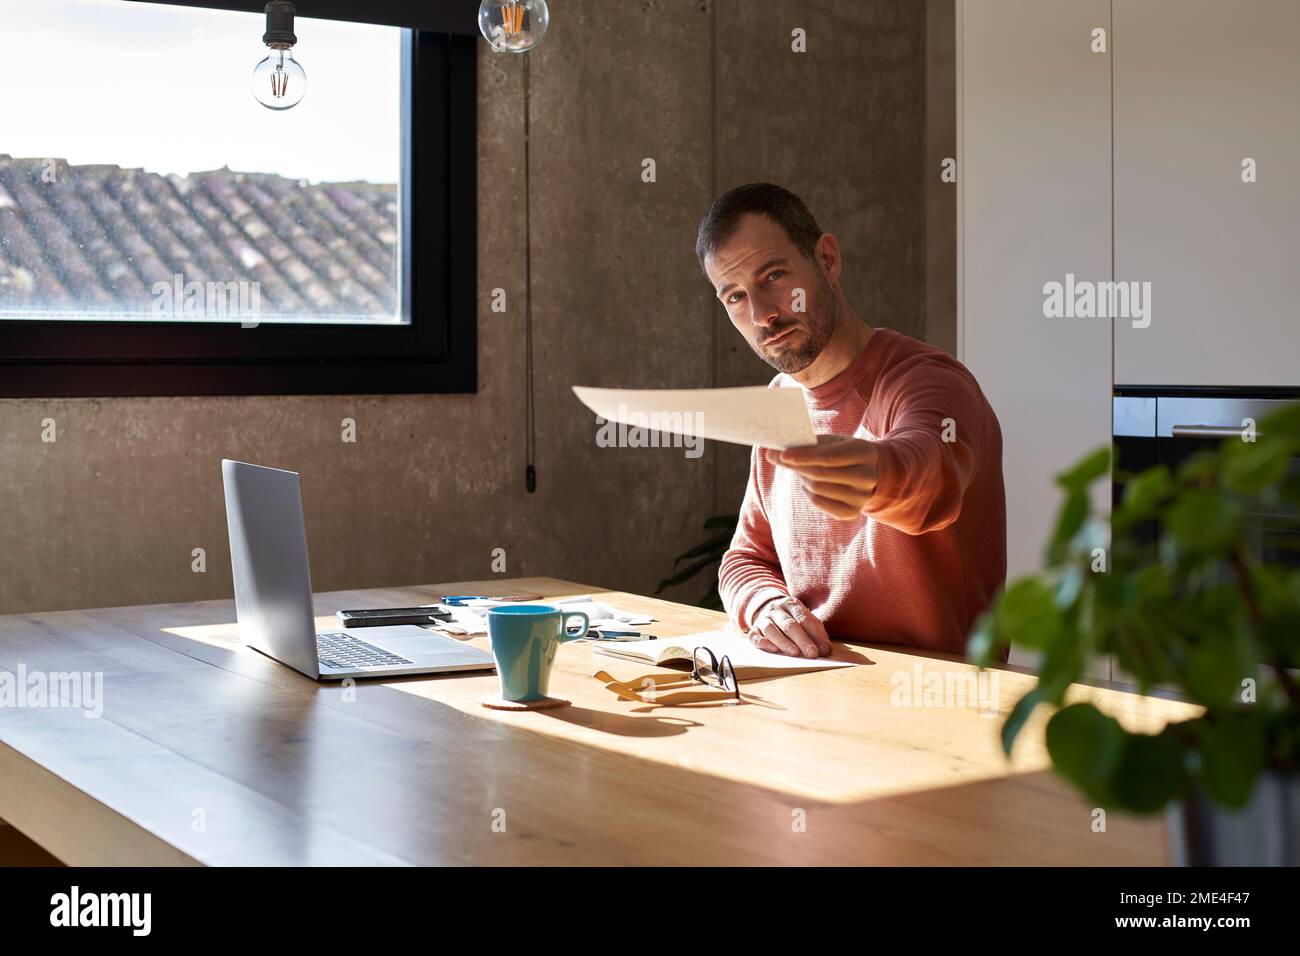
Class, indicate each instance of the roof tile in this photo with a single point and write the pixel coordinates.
(98, 237)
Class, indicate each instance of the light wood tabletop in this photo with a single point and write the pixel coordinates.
(208, 752)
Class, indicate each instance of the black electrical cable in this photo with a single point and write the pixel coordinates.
(530, 421)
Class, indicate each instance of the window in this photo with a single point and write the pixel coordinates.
(163, 233)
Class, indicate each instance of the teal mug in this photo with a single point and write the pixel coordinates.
(524, 640)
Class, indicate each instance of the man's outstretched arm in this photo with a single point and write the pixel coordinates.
(914, 478)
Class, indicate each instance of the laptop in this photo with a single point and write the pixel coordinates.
(268, 555)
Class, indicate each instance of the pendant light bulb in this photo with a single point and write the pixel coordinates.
(513, 26)
(279, 81)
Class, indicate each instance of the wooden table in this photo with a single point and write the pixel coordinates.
(208, 752)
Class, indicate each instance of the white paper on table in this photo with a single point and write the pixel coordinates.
(471, 618)
(753, 415)
(463, 621)
(603, 615)
(747, 659)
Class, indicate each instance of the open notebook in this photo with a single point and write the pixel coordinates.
(748, 660)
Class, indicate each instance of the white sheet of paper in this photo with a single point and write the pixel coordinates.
(724, 643)
(472, 617)
(754, 415)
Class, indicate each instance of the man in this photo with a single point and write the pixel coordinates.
(891, 529)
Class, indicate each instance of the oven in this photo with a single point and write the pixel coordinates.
(1168, 428)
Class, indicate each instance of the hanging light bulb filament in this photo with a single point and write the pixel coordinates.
(279, 79)
(512, 17)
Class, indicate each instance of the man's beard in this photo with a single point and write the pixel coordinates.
(819, 325)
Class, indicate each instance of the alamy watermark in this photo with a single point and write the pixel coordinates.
(208, 301)
(83, 690)
(1084, 299)
(962, 688)
(652, 430)
(133, 911)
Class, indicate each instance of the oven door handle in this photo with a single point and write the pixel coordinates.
(1206, 431)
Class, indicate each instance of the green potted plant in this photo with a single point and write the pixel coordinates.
(1201, 615)
(721, 529)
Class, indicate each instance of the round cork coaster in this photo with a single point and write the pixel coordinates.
(497, 702)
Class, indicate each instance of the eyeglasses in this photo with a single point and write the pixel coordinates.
(708, 670)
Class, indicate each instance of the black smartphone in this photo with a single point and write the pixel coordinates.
(380, 617)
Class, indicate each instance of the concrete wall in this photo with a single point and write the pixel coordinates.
(940, 196)
(843, 125)
(710, 89)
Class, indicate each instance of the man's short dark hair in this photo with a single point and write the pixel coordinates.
(777, 203)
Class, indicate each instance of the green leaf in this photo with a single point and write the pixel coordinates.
(1151, 772)
(1110, 591)
(1204, 522)
(1060, 667)
(983, 647)
(1214, 668)
(1232, 755)
(1144, 492)
(1283, 424)
(1069, 586)
(1085, 746)
(712, 600)
(716, 547)
(1277, 590)
(1086, 470)
(1152, 585)
(1202, 466)
(1015, 721)
(1251, 467)
(1282, 737)
(1026, 614)
(708, 552)
(1288, 489)
(1068, 522)
(686, 573)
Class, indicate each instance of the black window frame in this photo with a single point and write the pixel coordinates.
(436, 352)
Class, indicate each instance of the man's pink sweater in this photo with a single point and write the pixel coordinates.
(930, 548)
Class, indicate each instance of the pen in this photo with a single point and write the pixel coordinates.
(606, 635)
(458, 600)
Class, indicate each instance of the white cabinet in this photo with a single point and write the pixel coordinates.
(1124, 166)
(1034, 207)
(1200, 87)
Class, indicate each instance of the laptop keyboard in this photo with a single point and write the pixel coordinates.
(344, 650)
